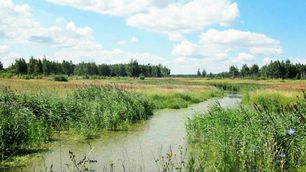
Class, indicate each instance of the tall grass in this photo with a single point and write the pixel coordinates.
(269, 136)
(30, 119)
(177, 100)
(236, 87)
(264, 96)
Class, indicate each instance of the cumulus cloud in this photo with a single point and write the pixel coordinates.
(173, 17)
(220, 44)
(64, 40)
(186, 17)
(216, 50)
(245, 57)
(112, 7)
(6, 55)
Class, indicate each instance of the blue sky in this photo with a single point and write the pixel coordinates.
(182, 34)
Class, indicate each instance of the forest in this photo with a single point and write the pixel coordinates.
(274, 70)
(46, 67)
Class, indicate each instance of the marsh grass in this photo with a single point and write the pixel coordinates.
(28, 120)
(180, 99)
(272, 96)
(270, 136)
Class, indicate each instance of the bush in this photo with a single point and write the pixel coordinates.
(142, 77)
(61, 78)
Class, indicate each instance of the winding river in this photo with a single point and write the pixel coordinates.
(135, 149)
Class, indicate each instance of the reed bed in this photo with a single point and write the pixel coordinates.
(269, 136)
(28, 120)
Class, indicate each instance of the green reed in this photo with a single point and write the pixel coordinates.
(269, 136)
(28, 120)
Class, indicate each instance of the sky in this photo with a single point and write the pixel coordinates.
(184, 35)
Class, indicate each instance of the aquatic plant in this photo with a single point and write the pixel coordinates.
(29, 119)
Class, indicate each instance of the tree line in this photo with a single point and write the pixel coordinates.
(47, 67)
(274, 70)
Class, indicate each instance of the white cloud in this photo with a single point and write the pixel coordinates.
(297, 60)
(187, 17)
(220, 44)
(112, 7)
(294, 60)
(172, 17)
(6, 55)
(64, 40)
(245, 57)
(216, 50)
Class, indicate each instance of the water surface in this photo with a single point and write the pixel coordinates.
(135, 149)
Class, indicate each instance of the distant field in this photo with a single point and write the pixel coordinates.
(47, 84)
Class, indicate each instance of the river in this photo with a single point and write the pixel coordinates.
(135, 149)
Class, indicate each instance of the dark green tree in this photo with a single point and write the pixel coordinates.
(133, 69)
(1, 66)
(198, 73)
(234, 71)
(245, 71)
(31, 66)
(254, 70)
(21, 66)
(204, 73)
(104, 70)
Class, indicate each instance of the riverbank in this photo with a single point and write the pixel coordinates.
(33, 118)
(137, 148)
(266, 135)
(172, 93)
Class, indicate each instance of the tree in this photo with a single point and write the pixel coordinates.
(245, 71)
(20, 66)
(133, 69)
(254, 70)
(104, 70)
(46, 67)
(234, 71)
(1, 66)
(198, 73)
(38, 67)
(31, 65)
(204, 73)
(67, 67)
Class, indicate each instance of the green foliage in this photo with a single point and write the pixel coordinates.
(142, 77)
(1, 66)
(181, 100)
(46, 67)
(268, 137)
(237, 87)
(29, 119)
(61, 78)
(275, 69)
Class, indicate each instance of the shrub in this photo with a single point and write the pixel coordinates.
(142, 77)
(61, 78)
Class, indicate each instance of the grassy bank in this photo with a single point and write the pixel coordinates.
(28, 120)
(179, 98)
(268, 136)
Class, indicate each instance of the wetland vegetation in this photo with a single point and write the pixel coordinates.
(266, 133)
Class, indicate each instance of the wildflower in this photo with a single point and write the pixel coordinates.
(238, 142)
(291, 131)
(254, 148)
(282, 155)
